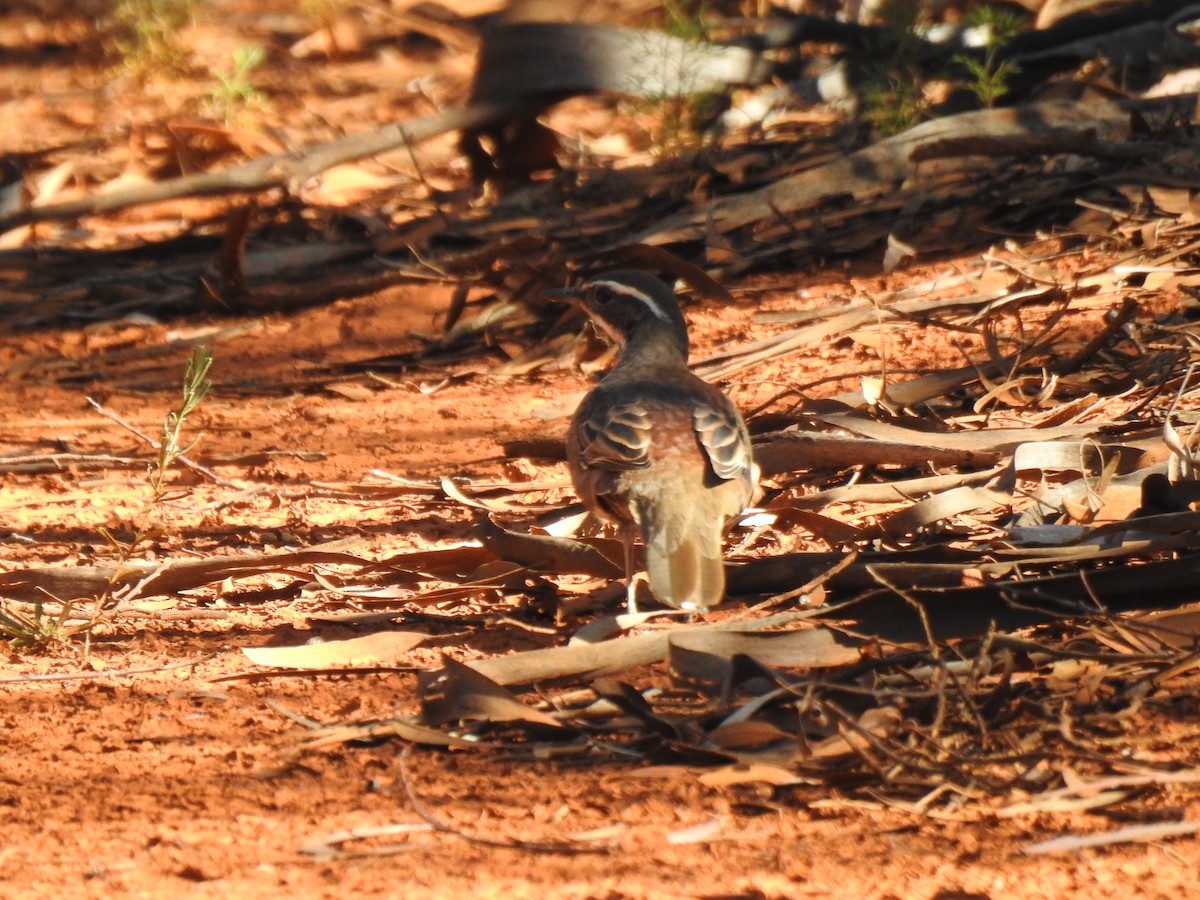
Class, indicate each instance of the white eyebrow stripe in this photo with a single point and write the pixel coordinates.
(618, 287)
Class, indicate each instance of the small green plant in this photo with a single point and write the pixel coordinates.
(894, 107)
(40, 623)
(146, 33)
(195, 386)
(234, 91)
(897, 101)
(678, 112)
(686, 18)
(894, 101)
(990, 76)
(36, 627)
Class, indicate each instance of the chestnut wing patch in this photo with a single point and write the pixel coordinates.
(724, 439)
(619, 438)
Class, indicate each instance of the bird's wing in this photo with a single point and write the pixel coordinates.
(617, 438)
(724, 439)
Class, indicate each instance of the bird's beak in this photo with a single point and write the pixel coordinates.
(561, 295)
(566, 295)
(572, 297)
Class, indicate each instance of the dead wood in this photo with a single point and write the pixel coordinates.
(1080, 142)
(523, 68)
(608, 657)
(31, 463)
(544, 62)
(158, 579)
(888, 168)
(881, 443)
(893, 491)
(886, 192)
(278, 171)
(905, 689)
(544, 553)
(795, 452)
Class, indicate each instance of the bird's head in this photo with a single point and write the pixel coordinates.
(630, 307)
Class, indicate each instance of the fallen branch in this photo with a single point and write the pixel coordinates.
(893, 166)
(607, 657)
(523, 69)
(280, 170)
(161, 579)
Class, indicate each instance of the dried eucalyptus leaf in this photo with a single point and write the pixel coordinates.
(382, 648)
(458, 693)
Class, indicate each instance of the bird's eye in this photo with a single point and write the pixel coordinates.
(603, 294)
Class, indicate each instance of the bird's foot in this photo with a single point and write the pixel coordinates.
(631, 592)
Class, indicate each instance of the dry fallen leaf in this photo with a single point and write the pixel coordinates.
(729, 776)
(748, 734)
(381, 648)
(697, 834)
(458, 693)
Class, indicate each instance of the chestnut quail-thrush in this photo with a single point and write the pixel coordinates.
(654, 448)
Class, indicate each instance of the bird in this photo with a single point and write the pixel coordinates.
(655, 449)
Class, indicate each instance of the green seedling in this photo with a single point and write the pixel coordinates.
(170, 448)
(35, 628)
(894, 100)
(990, 76)
(678, 116)
(235, 92)
(146, 33)
(895, 106)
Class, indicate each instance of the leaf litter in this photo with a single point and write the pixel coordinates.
(984, 641)
(988, 646)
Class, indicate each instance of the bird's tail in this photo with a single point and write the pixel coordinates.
(684, 563)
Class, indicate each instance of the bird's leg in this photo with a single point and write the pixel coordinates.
(630, 580)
